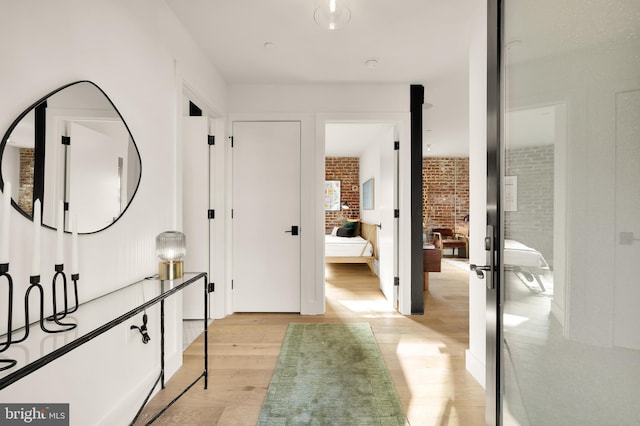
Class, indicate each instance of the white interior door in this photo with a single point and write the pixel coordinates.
(266, 208)
(95, 180)
(627, 270)
(196, 194)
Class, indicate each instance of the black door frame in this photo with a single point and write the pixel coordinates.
(494, 338)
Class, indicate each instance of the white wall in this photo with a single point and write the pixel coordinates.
(315, 105)
(139, 55)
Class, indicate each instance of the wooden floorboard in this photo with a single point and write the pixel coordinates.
(424, 354)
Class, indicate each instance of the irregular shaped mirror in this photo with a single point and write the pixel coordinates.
(71, 146)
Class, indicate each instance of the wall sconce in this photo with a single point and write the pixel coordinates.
(171, 246)
(345, 205)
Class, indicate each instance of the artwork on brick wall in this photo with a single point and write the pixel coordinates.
(332, 195)
(347, 171)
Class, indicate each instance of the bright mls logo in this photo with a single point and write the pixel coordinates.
(34, 414)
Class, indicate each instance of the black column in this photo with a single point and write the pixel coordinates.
(417, 277)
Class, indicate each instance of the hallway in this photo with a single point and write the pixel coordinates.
(424, 354)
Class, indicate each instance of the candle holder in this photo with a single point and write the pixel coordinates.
(59, 274)
(5, 364)
(34, 284)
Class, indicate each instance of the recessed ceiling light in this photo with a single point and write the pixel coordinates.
(371, 63)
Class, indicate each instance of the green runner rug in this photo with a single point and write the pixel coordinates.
(331, 374)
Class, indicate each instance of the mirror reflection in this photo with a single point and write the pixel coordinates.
(72, 146)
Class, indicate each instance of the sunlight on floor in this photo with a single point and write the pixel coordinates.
(367, 305)
(511, 320)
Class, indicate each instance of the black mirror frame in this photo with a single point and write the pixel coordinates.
(5, 137)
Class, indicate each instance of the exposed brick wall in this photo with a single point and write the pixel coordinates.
(445, 193)
(25, 189)
(532, 223)
(347, 171)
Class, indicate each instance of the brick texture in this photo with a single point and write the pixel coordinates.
(25, 188)
(347, 171)
(445, 193)
(532, 223)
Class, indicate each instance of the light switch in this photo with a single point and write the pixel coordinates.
(626, 238)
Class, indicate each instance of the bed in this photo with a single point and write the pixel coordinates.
(360, 248)
(525, 262)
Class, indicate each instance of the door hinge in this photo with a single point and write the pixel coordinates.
(66, 206)
(396, 145)
(396, 213)
(396, 281)
(211, 288)
(66, 140)
(231, 139)
(211, 139)
(211, 214)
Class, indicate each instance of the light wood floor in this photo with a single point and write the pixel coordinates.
(424, 354)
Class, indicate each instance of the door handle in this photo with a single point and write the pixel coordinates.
(294, 230)
(479, 270)
(489, 246)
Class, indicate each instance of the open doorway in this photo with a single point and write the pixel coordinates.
(360, 199)
(445, 227)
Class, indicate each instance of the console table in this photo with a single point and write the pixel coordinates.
(93, 320)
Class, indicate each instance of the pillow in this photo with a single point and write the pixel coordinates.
(346, 232)
(355, 223)
(350, 225)
(334, 232)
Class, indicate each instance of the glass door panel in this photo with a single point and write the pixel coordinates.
(570, 287)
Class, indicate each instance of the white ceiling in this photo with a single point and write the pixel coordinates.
(414, 42)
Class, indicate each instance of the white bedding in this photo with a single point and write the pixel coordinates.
(527, 263)
(518, 254)
(346, 246)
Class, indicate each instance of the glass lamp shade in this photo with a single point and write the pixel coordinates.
(171, 247)
(332, 14)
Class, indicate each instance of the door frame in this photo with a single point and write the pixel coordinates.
(401, 123)
(494, 338)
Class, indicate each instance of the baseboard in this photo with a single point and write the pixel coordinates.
(129, 404)
(476, 368)
(558, 313)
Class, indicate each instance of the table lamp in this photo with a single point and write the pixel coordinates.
(171, 248)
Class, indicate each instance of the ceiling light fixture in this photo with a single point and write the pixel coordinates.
(332, 14)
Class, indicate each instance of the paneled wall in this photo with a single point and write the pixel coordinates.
(347, 171)
(445, 188)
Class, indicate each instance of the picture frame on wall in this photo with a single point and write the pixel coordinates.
(332, 195)
(367, 195)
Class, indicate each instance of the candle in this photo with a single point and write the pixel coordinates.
(74, 245)
(37, 221)
(60, 234)
(4, 233)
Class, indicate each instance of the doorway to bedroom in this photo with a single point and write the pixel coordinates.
(360, 198)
